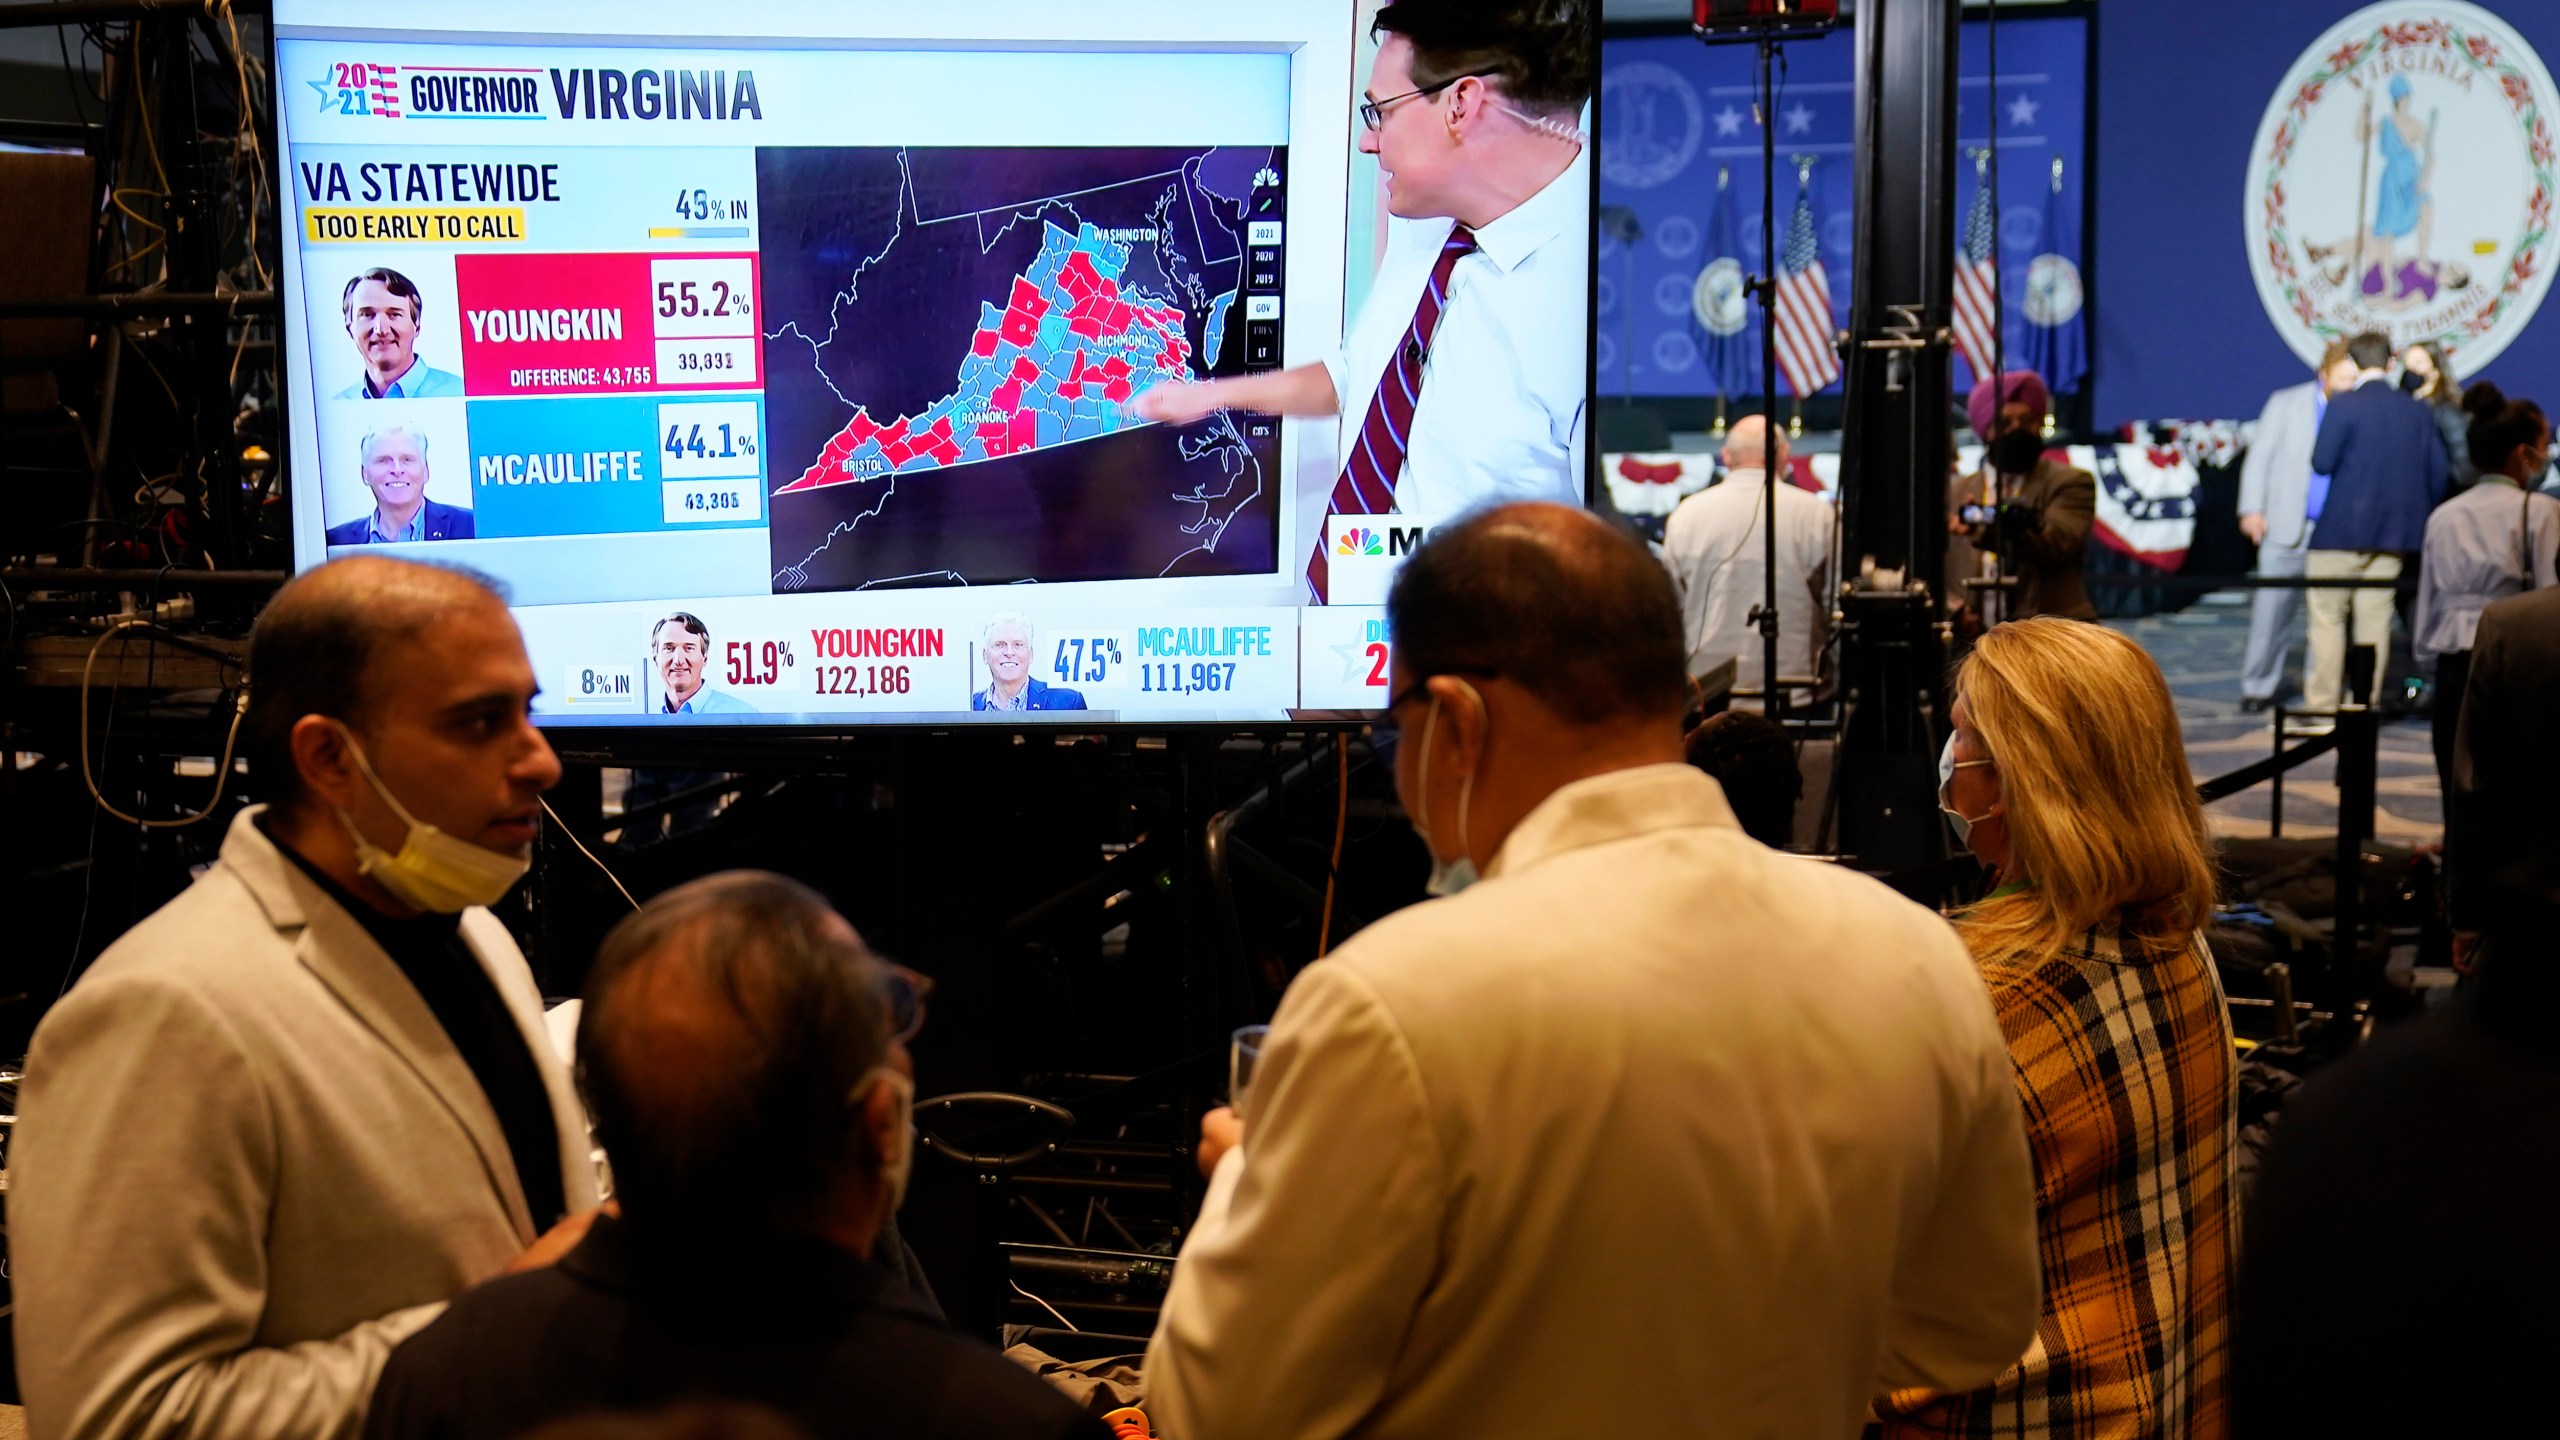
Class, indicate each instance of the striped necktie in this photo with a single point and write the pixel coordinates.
(1367, 485)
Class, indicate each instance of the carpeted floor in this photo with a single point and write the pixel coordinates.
(2200, 651)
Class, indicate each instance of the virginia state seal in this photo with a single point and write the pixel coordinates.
(2402, 181)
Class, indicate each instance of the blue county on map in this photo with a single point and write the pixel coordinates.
(952, 336)
(1054, 364)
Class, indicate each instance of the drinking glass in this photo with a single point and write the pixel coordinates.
(1243, 1053)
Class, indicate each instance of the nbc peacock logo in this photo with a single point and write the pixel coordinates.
(1359, 540)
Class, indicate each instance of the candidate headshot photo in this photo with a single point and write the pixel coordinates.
(382, 308)
(395, 468)
(1006, 647)
(680, 650)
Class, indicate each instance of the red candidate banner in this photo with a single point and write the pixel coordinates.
(588, 324)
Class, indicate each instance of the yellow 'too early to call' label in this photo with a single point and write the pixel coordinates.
(443, 225)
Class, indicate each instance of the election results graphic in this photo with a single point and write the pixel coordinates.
(778, 381)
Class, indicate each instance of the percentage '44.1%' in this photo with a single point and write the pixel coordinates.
(714, 442)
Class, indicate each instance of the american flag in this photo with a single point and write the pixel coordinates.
(1806, 350)
(1977, 288)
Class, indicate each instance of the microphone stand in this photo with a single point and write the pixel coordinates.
(1773, 696)
(1767, 29)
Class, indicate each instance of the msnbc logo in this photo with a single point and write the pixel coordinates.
(1359, 541)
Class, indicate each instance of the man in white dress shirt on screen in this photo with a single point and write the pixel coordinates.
(1650, 1131)
(1464, 379)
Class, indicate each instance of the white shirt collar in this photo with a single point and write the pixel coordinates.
(1518, 233)
(1614, 806)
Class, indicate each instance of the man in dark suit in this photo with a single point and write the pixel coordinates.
(395, 470)
(2399, 1233)
(743, 1055)
(2408, 1192)
(2504, 808)
(2386, 469)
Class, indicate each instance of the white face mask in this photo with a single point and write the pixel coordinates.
(896, 1167)
(433, 871)
(1948, 765)
(1448, 877)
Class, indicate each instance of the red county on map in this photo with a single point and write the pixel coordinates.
(1053, 367)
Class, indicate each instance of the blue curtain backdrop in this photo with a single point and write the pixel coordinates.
(2177, 330)
(1674, 114)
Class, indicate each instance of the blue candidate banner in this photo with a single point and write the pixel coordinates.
(1679, 142)
(615, 464)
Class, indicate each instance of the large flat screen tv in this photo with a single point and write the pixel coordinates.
(774, 354)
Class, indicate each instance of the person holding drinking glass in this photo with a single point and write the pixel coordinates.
(1640, 1122)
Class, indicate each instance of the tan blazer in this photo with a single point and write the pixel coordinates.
(248, 1163)
(1653, 1131)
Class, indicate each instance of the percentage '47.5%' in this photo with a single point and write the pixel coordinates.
(754, 662)
(1086, 660)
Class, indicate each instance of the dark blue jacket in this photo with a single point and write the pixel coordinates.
(2386, 469)
(1038, 695)
(443, 522)
(832, 1341)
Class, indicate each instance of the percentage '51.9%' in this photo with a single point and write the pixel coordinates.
(759, 663)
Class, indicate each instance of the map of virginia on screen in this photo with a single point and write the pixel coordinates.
(950, 340)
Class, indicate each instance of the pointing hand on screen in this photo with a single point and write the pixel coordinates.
(1176, 403)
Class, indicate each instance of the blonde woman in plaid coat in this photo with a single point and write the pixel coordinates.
(2069, 779)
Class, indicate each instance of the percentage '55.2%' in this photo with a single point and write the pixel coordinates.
(689, 299)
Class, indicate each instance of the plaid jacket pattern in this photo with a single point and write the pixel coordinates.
(2125, 1069)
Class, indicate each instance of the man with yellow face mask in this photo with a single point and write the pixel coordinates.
(278, 1124)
